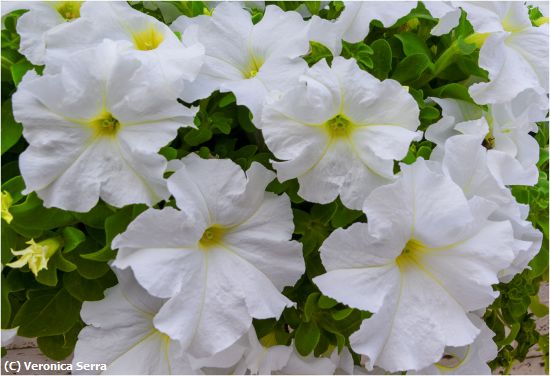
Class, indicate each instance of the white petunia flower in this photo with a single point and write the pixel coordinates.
(337, 131)
(465, 161)
(466, 360)
(505, 127)
(513, 52)
(222, 260)
(8, 336)
(247, 356)
(353, 23)
(94, 130)
(121, 334)
(308, 365)
(426, 257)
(262, 360)
(448, 15)
(248, 60)
(41, 18)
(143, 37)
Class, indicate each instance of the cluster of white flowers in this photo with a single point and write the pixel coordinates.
(440, 233)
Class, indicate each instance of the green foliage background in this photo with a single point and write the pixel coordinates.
(48, 306)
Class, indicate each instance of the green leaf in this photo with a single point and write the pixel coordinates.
(60, 347)
(343, 216)
(226, 100)
(464, 47)
(342, 314)
(290, 187)
(169, 153)
(19, 69)
(73, 237)
(96, 217)
(291, 317)
(453, 90)
(413, 44)
(538, 309)
(429, 114)
(381, 59)
(197, 136)
(306, 337)
(48, 276)
(514, 330)
(313, 6)
(6, 305)
(11, 130)
(411, 68)
(86, 267)
(311, 306)
(31, 218)
(244, 117)
(115, 225)
(221, 122)
(317, 53)
(360, 52)
(10, 240)
(47, 313)
(14, 186)
(424, 152)
(88, 289)
(325, 302)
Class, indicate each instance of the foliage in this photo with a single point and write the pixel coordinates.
(48, 306)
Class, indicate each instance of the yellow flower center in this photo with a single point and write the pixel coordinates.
(339, 126)
(148, 39)
(211, 236)
(105, 125)
(253, 68)
(69, 10)
(410, 254)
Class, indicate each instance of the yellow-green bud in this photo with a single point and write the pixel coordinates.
(6, 204)
(540, 21)
(36, 255)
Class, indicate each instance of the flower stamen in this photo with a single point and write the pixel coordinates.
(339, 126)
(105, 125)
(410, 254)
(211, 236)
(148, 39)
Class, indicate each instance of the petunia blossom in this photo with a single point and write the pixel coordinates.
(246, 59)
(122, 336)
(42, 17)
(447, 14)
(221, 260)
(94, 131)
(308, 365)
(337, 131)
(426, 258)
(465, 161)
(247, 356)
(141, 36)
(466, 360)
(514, 52)
(354, 22)
(504, 128)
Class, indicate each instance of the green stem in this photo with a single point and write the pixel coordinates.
(449, 55)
